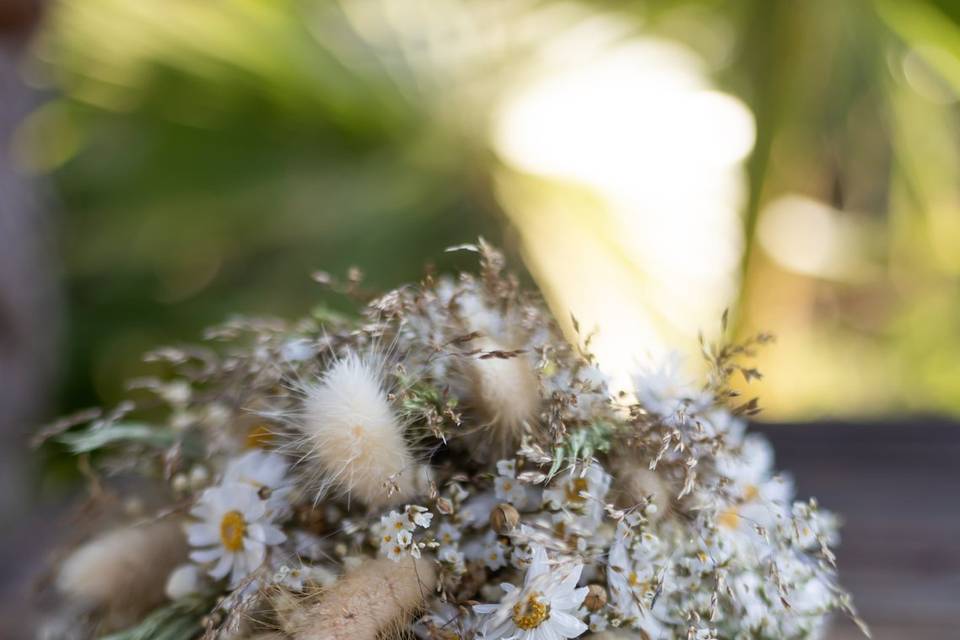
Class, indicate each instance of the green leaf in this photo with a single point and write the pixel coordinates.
(94, 438)
(178, 621)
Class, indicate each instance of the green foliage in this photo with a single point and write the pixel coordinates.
(580, 445)
(204, 153)
(93, 438)
(178, 621)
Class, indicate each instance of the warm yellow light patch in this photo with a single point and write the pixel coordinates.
(232, 529)
(531, 613)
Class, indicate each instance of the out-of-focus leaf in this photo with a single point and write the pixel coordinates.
(935, 36)
(91, 439)
(178, 621)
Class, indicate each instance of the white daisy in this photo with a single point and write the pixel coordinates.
(506, 485)
(234, 532)
(629, 584)
(663, 387)
(265, 471)
(580, 494)
(448, 535)
(543, 609)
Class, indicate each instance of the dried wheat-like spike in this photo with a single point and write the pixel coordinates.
(504, 390)
(378, 596)
(123, 572)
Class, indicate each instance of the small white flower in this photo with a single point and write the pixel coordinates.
(290, 577)
(494, 552)
(665, 389)
(395, 522)
(454, 558)
(543, 609)
(404, 538)
(507, 468)
(420, 515)
(521, 557)
(632, 585)
(448, 535)
(597, 623)
(506, 486)
(394, 551)
(234, 532)
(297, 350)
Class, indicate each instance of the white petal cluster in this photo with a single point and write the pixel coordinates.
(543, 608)
(396, 532)
(234, 531)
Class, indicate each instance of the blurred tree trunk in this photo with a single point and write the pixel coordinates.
(27, 299)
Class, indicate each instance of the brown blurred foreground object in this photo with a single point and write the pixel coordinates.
(18, 17)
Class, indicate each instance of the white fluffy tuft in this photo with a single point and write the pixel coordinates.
(504, 391)
(353, 436)
(123, 572)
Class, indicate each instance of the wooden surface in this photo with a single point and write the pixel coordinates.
(897, 485)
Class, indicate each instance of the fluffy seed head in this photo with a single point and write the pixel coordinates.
(352, 436)
(505, 392)
(124, 572)
(634, 482)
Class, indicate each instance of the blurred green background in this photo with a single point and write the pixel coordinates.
(647, 164)
(651, 162)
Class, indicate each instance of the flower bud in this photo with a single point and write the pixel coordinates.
(504, 518)
(596, 597)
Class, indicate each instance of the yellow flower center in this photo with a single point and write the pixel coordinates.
(530, 613)
(729, 518)
(751, 493)
(232, 528)
(574, 488)
(259, 437)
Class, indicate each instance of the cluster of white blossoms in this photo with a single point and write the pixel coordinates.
(396, 532)
(447, 463)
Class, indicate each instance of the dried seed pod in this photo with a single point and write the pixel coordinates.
(596, 597)
(634, 483)
(377, 596)
(123, 573)
(504, 518)
(504, 390)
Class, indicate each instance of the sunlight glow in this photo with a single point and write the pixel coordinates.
(651, 256)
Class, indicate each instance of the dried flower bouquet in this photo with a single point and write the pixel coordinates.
(445, 465)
